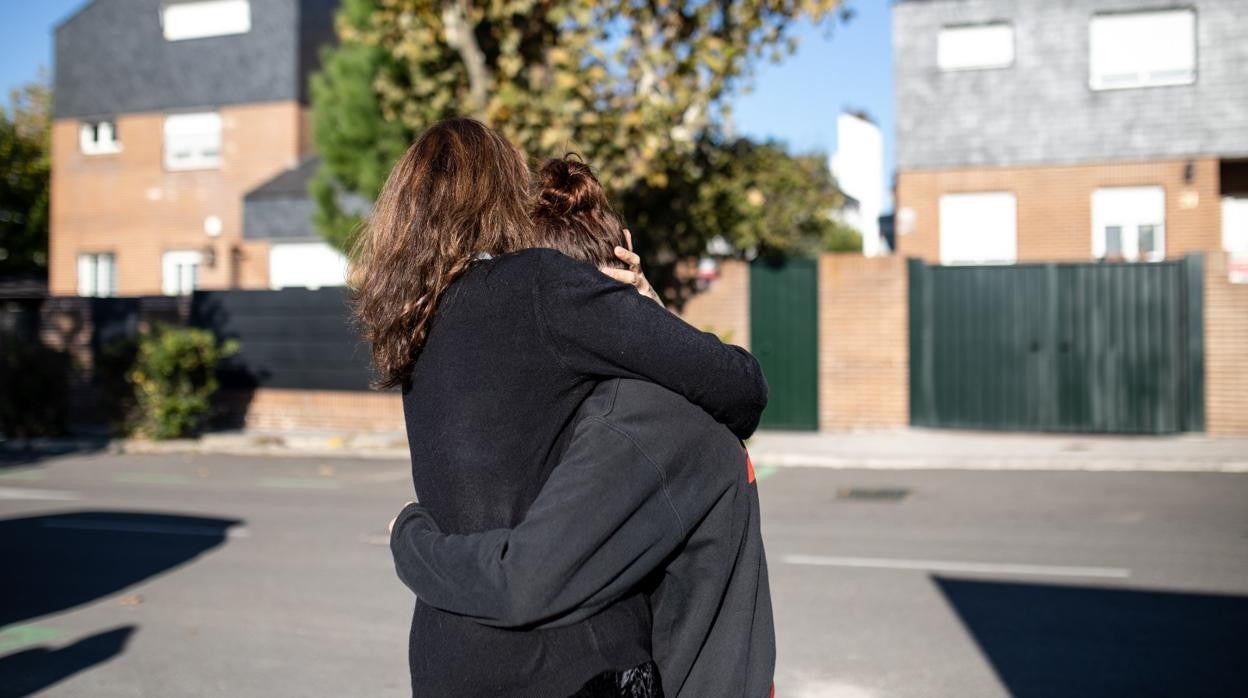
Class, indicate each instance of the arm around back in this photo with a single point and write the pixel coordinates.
(599, 327)
(600, 525)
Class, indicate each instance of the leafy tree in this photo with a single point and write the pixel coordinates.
(764, 200)
(639, 89)
(25, 164)
(756, 196)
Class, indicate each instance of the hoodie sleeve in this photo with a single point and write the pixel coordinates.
(599, 327)
(599, 526)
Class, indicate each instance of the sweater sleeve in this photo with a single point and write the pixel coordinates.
(601, 523)
(602, 328)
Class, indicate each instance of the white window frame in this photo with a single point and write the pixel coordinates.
(193, 141)
(181, 21)
(1129, 208)
(965, 224)
(180, 272)
(985, 46)
(1144, 39)
(98, 138)
(97, 274)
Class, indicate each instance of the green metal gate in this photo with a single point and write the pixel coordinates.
(1058, 347)
(784, 336)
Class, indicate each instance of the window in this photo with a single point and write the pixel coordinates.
(98, 138)
(1146, 236)
(1142, 49)
(1128, 223)
(197, 20)
(978, 228)
(306, 265)
(974, 47)
(97, 274)
(1113, 242)
(179, 272)
(1235, 224)
(1235, 236)
(193, 141)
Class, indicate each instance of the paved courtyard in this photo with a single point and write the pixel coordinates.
(216, 575)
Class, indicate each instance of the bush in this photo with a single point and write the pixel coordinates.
(174, 378)
(35, 399)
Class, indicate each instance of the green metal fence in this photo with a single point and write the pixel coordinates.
(1058, 347)
(784, 336)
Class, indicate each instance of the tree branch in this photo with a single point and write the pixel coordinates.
(459, 36)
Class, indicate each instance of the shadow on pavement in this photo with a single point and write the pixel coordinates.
(29, 671)
(15, 454)
(57, 562)
(1048, 641)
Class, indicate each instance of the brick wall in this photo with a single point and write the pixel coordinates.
(863, 342)
(81, 327)
(724, 308)
(275, 409)
(70, 323)
(128, 204)
(1054, 205)
(1226, 351)
(66, 324)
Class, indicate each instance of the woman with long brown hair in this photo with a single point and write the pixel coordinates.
(495, 342)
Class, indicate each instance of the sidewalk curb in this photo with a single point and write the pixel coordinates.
(791, 460)
(392, 446)
(334, 447)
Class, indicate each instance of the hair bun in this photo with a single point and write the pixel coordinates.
(571, 213)
(568, 187)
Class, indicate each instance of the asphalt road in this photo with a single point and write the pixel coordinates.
(228, 576)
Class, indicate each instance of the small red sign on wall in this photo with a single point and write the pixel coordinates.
(1238, 273)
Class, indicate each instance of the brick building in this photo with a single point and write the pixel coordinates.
(1084, 130)
(167, 114)
(1074, 130)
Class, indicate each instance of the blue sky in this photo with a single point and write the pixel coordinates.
(795, 102)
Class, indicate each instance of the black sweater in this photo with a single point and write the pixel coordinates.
(515, 347)
(649, 482)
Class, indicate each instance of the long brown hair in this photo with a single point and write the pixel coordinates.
(572, 213)
(461, 189)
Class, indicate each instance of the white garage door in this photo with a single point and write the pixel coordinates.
(306, 265)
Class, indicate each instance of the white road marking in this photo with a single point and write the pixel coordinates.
(954, 566)
(30, 493)
(164, 529)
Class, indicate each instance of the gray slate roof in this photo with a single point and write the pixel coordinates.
(291, 182)
(112, 58)
(281, 210)
(1041, 111)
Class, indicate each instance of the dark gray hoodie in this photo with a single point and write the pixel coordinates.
(651, 494)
